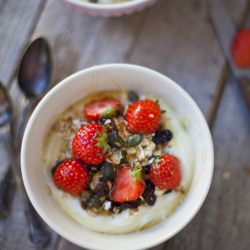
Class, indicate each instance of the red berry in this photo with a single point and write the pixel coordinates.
(143, 116)
(128, 185)
(241, 48)
(102, 108)
(71, 176)
(90, 144)
(166, 172)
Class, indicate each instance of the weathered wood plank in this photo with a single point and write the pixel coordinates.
(173, 37)
(80, 41)
(219, 224)
(224, 222)
(17, 19)
(184, 48)
(180, 43)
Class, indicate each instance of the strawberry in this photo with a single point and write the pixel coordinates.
(102, 108)
(71, 176)
(128, 185)
(143, 116)
(165, 172)
(90, 144)
(240, 48)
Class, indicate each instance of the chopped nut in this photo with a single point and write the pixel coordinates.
(140, 153)
(149, 149)
(131, 151)
(115, 157)
(77, 123)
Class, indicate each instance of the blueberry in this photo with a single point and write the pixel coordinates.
(162, 136)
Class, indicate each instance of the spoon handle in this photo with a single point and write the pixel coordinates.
(38, 232)
(6, 193)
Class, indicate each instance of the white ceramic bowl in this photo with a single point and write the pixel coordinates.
(76, 87)
(107, 10)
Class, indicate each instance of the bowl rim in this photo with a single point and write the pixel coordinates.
(110, 6)
(143, 244)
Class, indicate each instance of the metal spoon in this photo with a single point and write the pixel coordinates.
(37, 232)
(35, 70)
(34, 77)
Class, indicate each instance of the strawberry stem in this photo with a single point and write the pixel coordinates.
(102, 142)
(109, 112)
(137, 173)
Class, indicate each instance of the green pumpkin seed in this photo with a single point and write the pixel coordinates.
(134, 140)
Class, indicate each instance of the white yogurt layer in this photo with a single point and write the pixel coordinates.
(146, 216)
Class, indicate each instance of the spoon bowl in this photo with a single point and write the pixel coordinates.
(35, 70)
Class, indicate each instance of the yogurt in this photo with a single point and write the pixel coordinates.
(58, 147)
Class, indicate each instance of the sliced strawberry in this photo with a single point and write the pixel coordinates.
(71, 176)
(102, 108)
(128, 185)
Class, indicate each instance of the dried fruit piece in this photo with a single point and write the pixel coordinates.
(149, 193)
(162, 136)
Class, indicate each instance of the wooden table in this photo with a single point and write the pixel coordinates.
(174, 37)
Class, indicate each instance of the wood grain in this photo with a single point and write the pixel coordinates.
(17, 19)
(183, 48)
(175, 38)
(224, 221)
